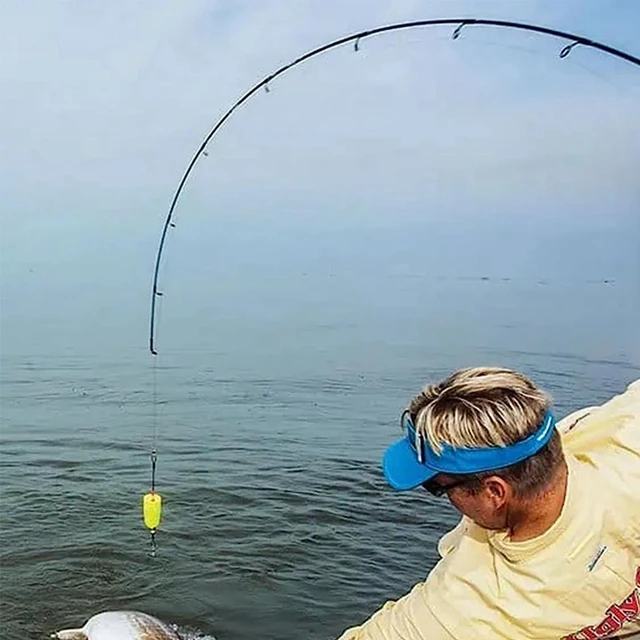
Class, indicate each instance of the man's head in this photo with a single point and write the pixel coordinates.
(486, 438)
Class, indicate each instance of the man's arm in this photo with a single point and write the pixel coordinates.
(409, 618)
(612, 424)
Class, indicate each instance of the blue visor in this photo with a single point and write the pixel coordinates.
(411, 461)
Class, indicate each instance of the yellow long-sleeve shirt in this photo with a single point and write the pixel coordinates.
(580, 580)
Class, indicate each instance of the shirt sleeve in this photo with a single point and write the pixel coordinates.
(409, 618)
(610, 427)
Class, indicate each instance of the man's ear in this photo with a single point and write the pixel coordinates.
(497, 490)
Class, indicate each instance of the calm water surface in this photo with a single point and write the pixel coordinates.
(272, 412)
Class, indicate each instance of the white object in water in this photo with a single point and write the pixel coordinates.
(120, 625)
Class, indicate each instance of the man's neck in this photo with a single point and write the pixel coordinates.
(539, 514)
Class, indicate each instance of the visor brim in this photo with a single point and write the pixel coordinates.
(402, 469)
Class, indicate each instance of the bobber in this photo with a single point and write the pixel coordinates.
(152, 510)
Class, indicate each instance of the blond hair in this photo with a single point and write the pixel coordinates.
(479, 407)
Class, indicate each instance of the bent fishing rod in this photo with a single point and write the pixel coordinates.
(152, 501)
(573, 41)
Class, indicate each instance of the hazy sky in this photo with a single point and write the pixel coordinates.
(103, 104)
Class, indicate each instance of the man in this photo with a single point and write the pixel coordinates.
(548, 547)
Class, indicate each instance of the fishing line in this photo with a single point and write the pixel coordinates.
(152, 501)
(394, 46)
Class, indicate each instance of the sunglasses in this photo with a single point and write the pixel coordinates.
(438, 490)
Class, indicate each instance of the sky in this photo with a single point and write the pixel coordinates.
(415, 137)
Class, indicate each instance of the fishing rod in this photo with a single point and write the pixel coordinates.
(152, 502)
(574, 40)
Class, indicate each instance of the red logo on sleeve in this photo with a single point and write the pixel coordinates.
(616, 616)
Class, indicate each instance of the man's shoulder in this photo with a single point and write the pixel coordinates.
(607, 435)
(452, 539)
(465, 551)
(606, 439)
